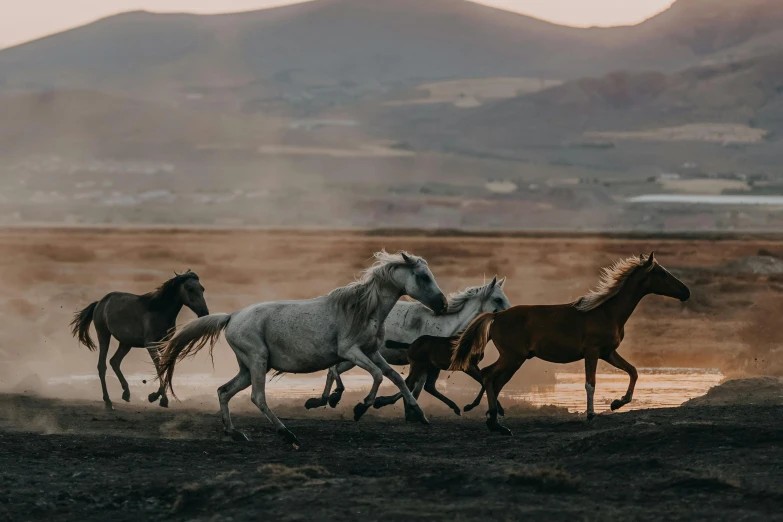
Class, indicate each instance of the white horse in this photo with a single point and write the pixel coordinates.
(410, 320)
(312, 335)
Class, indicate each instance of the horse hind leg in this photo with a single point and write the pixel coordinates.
(103, 350)
(474, 372)
(253, 357)
(225, 393)
(258, 369)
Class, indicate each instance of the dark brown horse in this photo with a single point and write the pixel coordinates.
(590, 328)
(428, 356)
(137, 321)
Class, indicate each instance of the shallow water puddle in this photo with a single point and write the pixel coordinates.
(656, 387)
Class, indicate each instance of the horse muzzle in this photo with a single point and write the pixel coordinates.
(441, 307)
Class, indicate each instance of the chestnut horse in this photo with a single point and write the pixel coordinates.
(590, 328)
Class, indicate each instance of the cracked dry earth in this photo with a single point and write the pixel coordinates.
(74, 461)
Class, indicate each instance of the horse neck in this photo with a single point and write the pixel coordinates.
(463, 317)
(168, 307)
(388, 296)
(621, 306)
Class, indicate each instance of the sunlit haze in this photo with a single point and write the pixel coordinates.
(24, 21)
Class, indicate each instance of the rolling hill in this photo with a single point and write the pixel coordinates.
(311, 56)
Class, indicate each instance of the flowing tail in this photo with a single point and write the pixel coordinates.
(190, 339)
(80, 326)
(472, 341)
(396, 345)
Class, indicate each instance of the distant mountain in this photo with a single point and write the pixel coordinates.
(747, 92)
(332, 52)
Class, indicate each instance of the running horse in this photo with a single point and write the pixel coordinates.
(137, 321)
(590, 328)
(311, 335)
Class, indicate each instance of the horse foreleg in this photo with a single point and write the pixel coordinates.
(590, 366)
(410, 382)
(355, 355)
(495, 377)
(161, 393)
(413, 411)
(429, 387)
(115, 362)
(621, 364)
(334, 398)
(103, 342)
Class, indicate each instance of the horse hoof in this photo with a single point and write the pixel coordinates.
(590, 416)
(334, 399)
(164, 402)
(416, 415)
(359, 410)
(289, 438)
(314, 402)
(457, 412)
(617, 404)
(238, 436)
(126, 395)
(152, 397)
(468, 407)
(495, 427)
(108, 405)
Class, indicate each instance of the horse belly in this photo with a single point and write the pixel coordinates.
(302, 361)
(395, 357)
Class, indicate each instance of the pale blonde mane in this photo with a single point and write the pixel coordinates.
(458, 300)
(612, 280)
(359, 300)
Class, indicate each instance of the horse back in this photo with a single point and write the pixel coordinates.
(432, 350)
(123, 316)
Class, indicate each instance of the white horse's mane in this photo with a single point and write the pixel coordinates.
(458, 300)
(612, 280)
(359, 300)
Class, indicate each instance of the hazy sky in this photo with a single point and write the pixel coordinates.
(24, 20)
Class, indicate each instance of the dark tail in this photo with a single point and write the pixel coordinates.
(192, 338)
(472, 341)
(80, 326)
(396, 345)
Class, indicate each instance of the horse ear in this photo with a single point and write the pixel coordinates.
(500, 283)
(650, 260)
(494, 282)
(406, 258)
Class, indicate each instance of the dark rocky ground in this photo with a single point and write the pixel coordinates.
(74, 461)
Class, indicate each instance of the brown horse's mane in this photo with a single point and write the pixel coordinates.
(612, 280)
(167, 287)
